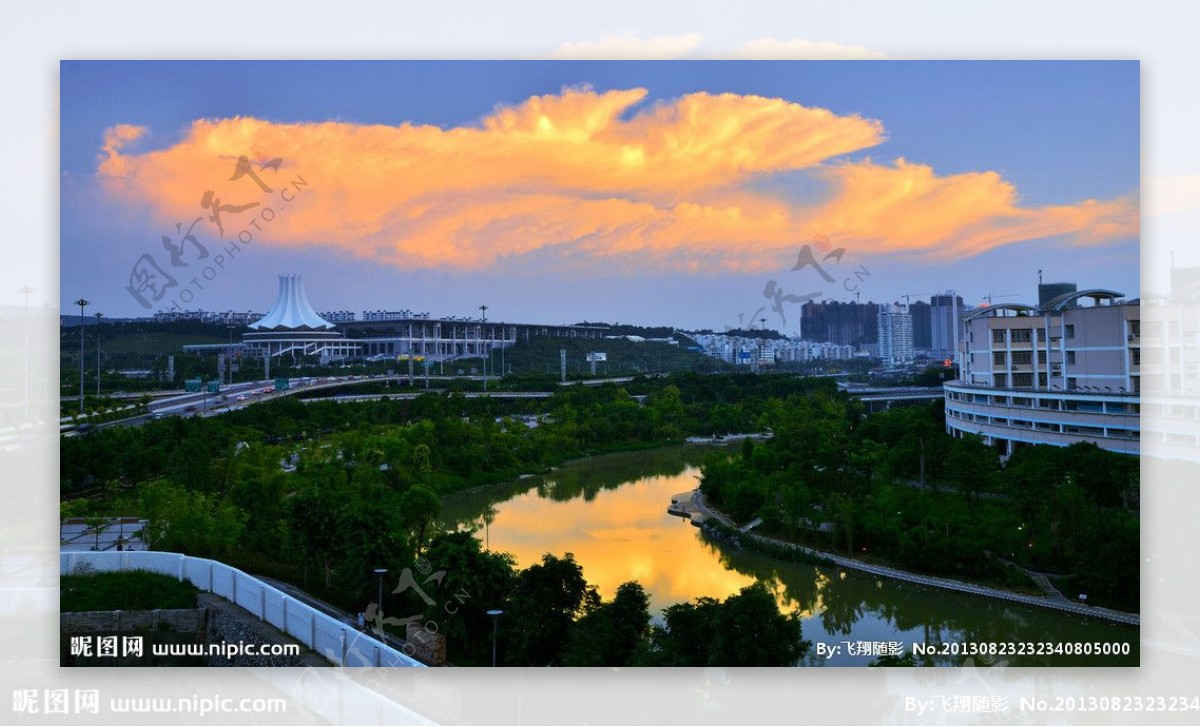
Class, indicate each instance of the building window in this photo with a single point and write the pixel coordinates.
(1135, 328)
(998, 335)
(1021, 335)
(1070, 357)
(1021, 380)
(1070, 331)
(1137, 356)
(997, 358)
(1022, 357)
(1072, 383)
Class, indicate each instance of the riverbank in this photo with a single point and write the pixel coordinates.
(692, 506)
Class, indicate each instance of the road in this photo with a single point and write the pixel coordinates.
(231, 396)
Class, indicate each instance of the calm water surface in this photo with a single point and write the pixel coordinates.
(611, 513)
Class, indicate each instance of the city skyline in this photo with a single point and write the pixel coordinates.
(648, 193)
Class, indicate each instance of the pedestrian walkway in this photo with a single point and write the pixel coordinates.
(695, 504)
(76, 534)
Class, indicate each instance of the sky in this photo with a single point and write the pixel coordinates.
(682, 193)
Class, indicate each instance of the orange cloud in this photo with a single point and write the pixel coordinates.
(582, 177)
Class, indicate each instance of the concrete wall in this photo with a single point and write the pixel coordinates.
(340, 643)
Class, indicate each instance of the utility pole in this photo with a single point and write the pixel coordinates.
(98, 315)
(82, 303)
(761, 344)
(482, 330)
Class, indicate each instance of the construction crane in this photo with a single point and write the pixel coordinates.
(909, 296)
(990, 296)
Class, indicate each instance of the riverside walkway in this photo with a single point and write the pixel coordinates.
(692, 505)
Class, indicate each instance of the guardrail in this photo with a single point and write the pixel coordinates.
(338, 642)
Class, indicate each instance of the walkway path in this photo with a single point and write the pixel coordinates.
(1041, 579)
(335, 612)
(696, 504)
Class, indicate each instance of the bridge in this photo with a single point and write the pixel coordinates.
(877, 398)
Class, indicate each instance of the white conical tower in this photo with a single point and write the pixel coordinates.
(291, 311)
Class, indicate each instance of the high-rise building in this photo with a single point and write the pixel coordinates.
(895, 336)
(944, 313)
(1054, 374)
(844, 324)
(1049, 291)
(922, 325)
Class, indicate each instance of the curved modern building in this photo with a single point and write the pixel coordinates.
(293, 328)
(1058, 373)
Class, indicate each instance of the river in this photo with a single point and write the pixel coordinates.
(611, 513)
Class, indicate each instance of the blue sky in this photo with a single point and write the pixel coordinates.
(1058, 132)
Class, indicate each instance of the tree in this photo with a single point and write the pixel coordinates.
(613, 633)
(972, 466)
(548, 597)
(312, 518)
(418, 506)
(190, 522)
(750, 631)
(746, 630)
(475, 582)
(97, 524)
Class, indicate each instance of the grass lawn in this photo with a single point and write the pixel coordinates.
(124, 590)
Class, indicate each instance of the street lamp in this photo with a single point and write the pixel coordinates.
(380, 573)
(82, 303)
(495, 614)
(229, 355)
(98, 315)
(483, 311)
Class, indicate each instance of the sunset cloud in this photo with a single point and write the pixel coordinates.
(593, 178)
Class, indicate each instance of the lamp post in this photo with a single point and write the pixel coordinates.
(495, 614)
(380, 573)
(482, 327)
(229, 356)
(82, 303)
(98, 315)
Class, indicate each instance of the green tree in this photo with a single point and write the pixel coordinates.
(613, 633)
(475, 582)
(548, 597)
(419, 505)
